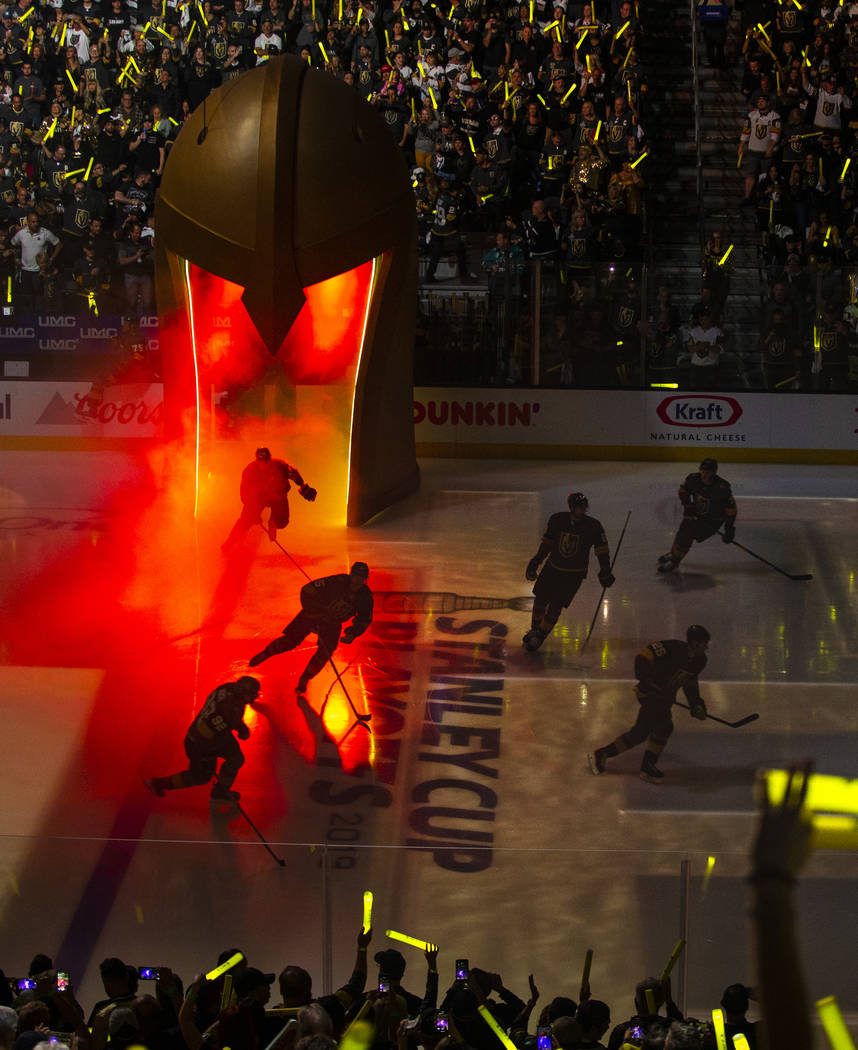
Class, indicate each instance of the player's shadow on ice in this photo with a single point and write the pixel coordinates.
(711, 780)
(689, 581)
(327, 746)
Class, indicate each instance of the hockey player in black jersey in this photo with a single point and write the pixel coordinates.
(566, 544)
(265, 483)
(325, 605)
(210, 737)
(707, 503)
(661, 669)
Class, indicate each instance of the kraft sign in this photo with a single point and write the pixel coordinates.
(699, 410)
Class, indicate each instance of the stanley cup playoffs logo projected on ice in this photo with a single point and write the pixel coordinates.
(286, 274)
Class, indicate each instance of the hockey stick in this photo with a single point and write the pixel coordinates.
(771, 565)
(733, 725)
(602, 596)
(363, 719)
(259, 835)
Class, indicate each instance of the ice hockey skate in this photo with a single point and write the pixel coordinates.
(533, 639)
(670, 564)
(651, 773)
(222, 794)
(597, 763)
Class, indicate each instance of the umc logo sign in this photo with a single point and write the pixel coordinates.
(699, 410)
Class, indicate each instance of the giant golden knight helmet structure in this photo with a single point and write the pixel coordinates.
(285, 215)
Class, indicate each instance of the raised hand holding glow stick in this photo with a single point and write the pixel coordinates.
(367, 911)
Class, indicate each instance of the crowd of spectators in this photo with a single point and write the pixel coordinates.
(798, 152)
(523, 119)
(152, 1009)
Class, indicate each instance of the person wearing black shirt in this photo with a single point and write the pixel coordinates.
(707, 505)
(565, 548)
(662, 669)
(147, 149)
(325, 605)
(210, 737)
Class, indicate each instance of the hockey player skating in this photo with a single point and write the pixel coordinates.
(661, 670)
(210, 737)
(708, 504)
(325, 605)
(265, 483)
(566, 544)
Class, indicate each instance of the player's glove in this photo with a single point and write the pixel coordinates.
(606, 578)
(308, 492)
(532, 570)
(348, 635)
(729, 533)
(698, 710)
(243, 732)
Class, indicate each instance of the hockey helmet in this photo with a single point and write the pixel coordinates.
(577, 499)
(696, 633)
(361, 569)
(249, 685)
(709, 464)
(263, 453)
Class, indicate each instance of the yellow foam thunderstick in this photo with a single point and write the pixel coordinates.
(671, 962)
(718, 1025)
(424, 946)
(367, 910)
(833, 1023)
(495, 1027)
(233, 960)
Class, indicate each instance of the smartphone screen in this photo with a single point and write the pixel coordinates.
(442, 1024)
(62, 981)
(147, 973)
(461, 969)
(543, 1037)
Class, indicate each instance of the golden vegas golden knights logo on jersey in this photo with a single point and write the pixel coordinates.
(492, 148)
(57, 178)
(340, 610)
(568, 544)
(701, 505)
(827, 108)
(578, 246)
(615, 133)
(17, 128)
(777, 348)
(625, 317)
(828, 340)
(761, 131)
(81, 218)
(220, 49)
